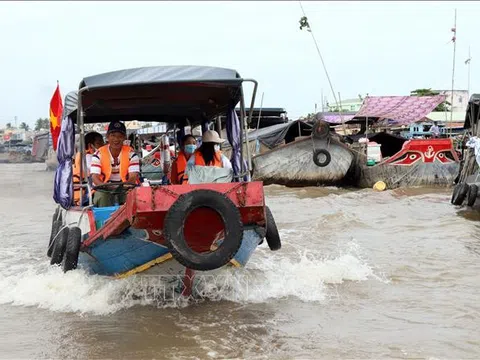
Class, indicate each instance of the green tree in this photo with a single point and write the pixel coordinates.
(42, 124)
(9, 125)
(24, 126)
(445, 106)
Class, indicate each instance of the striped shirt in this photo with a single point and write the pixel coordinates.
(96, 166)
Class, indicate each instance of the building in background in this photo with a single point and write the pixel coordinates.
(460, 99)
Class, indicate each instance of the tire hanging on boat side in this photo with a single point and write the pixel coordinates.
(272, 236)
(454, 193)
(59, 246)
(323, 152)
(174, 229)
(460, 195)
(72, 249)
(472, 194)
(56, 225)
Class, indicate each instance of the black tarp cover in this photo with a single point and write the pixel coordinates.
(472, 115)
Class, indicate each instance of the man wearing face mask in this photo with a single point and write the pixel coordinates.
(189, 145)
(209, 153)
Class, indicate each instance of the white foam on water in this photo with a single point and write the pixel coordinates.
(300, 273)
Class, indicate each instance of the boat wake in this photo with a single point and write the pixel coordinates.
(301, 274)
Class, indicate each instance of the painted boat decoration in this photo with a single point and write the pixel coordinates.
(396, 161)
(419, 162)
(174, 230)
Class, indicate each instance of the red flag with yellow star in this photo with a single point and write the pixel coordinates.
(56, 110)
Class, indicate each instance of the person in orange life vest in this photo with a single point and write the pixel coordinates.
(93, 142)
(114, 162)
(189, 145)
(209, 153)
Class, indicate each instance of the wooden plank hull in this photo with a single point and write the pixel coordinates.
(292, 164)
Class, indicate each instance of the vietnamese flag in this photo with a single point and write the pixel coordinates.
(56, 110)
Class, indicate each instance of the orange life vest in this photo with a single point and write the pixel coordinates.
(181, 164)
(77, 178)
(106, 165)
(217, 159)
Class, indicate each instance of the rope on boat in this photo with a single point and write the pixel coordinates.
(304, 23)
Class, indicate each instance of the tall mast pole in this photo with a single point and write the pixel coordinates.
(454, 40)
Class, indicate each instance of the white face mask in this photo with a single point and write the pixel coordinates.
(217, 147)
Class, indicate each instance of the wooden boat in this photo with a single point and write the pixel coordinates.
(400, 162)
(419, 162)
(316, 159)
(172, 230)
(467, 180)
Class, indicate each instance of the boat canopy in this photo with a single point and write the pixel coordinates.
(401, 110)
(472, 115)
(171, 94)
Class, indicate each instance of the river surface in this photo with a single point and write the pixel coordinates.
(360, 275)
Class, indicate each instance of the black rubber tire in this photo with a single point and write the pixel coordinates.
(272, 236)
(472, 194)
(325, 152)
(454, 193)
(72, 249)
(53, 231)
(175, 239)
(461, 194)
(59, 247)
(320, 129)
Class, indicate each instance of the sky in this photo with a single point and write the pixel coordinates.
(379, 48)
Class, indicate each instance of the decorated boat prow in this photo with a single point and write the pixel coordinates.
(217, 220)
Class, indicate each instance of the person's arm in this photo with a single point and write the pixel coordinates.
(133, 168)
(226, 162)
(96, 169)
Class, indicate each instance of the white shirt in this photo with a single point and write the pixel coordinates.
(96, 165)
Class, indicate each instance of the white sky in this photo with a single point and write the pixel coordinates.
(380, 48)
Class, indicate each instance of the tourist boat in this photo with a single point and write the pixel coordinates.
(174, 230)
(467, 180)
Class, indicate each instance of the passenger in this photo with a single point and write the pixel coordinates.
(93, 142)
(188, 147)
(435, 130)
(209, 153)
(113, 163)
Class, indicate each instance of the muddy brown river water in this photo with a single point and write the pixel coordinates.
(360, 275)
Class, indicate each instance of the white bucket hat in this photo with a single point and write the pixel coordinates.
(212, 136)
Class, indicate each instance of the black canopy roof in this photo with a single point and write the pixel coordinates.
(472, 115)
(171, 94)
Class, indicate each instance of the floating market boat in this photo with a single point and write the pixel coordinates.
(174, 230)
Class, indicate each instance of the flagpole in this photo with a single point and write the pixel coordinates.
(454, 39)
(468, 86)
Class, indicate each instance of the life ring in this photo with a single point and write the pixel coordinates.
(59, 245)
(175, 221)
(472, 194)
(72, 249)
(272, 236)
(322, 153)
(460, 194)
(56, 224)
(320, 129)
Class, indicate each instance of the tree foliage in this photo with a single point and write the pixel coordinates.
(445, 106)
(24, 126)
(42, 124)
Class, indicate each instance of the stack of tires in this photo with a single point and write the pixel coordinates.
(64, 244)
(464, 191)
